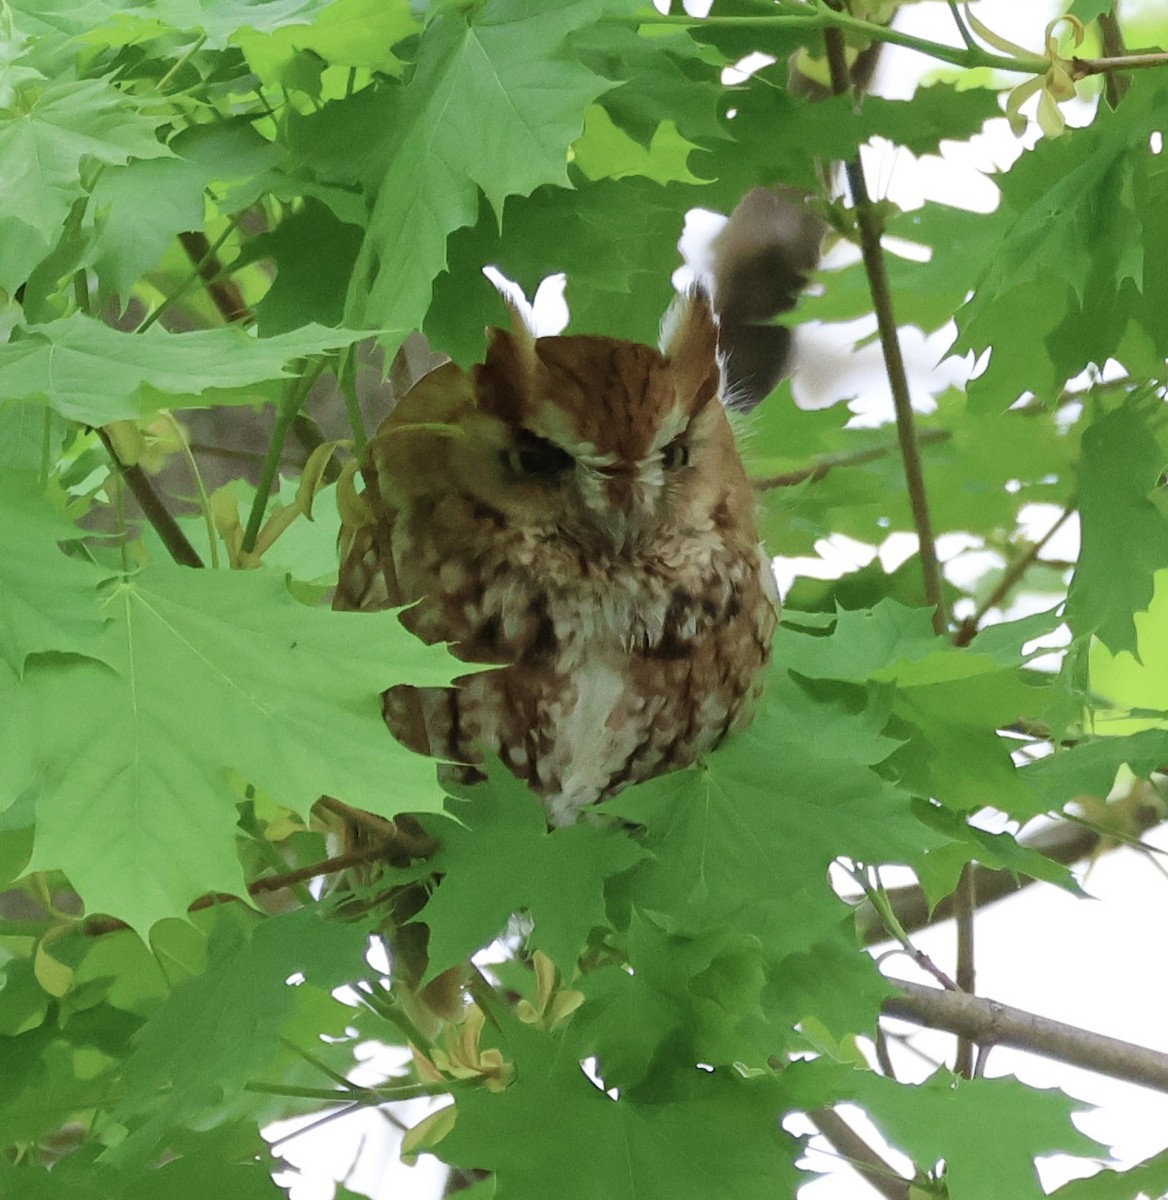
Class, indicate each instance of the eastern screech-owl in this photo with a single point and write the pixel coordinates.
(574, 508)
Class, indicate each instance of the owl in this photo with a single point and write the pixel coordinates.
(573, 511)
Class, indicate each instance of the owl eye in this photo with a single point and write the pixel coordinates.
(535, 456)
(675, 455)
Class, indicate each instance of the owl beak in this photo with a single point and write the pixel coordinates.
(621, 494)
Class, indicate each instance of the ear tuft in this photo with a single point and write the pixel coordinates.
(507, 376)
(689, 340)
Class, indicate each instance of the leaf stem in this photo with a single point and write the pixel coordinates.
(295, 395)
(855, 458)
(188, 54)
(347, 380)
(368, 1096)
(962, 28)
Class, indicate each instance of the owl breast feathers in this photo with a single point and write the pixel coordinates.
(574, 509)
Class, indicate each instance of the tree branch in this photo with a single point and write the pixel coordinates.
(990, 1023)
(856, 458)
(856, 1152)
(868, 224)
(159, 516)
(1012, 576)
(224, 292)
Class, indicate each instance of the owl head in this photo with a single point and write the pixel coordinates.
(601, 442)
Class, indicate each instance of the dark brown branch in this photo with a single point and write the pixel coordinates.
(990, 1023)
(869, 227)
(153, 508)
(848, 1144)
(224, 292)
(856, 458)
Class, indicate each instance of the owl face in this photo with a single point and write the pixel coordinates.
(598, 443)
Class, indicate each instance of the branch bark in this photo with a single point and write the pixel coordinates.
(868, 224)
(993, 1024)
(852, 1148)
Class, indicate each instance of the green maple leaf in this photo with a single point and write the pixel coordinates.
(136, 211)
(216, 23)
(350, 33)
(494, 104)
(714, 1134)
(46, 133)
(91, 373)
(1124, 532)
(502, 859)
(612, 239)
(1100, 186)
(1090, 769)
(209, 673)
(663, 76)
(47, 600)
(216, 1031)
(752, 830)
(314, 254)
(1149, 1178)
(988, 1131)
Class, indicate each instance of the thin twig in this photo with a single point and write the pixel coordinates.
(159, 516)
(962, 28)
(269, 883)
(878, 898)
(856, 1152)
(856, 458)
(971, 626)
(991, 1023)
(868, 224)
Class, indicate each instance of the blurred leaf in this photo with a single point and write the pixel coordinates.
(1124, 531)
(94, 374)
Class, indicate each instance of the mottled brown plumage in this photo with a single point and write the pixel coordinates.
(575, 509)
